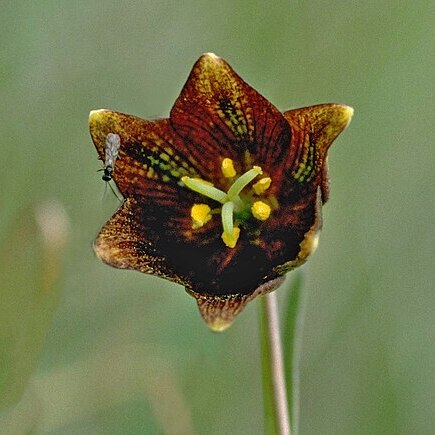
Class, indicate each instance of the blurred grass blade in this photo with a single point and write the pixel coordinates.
(30, 273)
(292, 339)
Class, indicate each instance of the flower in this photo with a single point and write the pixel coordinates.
(224, 196)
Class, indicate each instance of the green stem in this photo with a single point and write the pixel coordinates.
(275, 392)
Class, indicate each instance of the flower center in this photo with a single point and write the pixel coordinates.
(234, 209)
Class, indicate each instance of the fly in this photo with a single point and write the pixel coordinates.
(111, 151)
(113, 142)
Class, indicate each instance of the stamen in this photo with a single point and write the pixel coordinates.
(262, 185)
(200, 214)
(204, 188)
(243, 181)
(260, 210)
(228, 168)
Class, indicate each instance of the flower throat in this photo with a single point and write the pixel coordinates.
(233, 209)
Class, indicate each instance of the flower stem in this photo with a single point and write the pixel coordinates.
(274, 384)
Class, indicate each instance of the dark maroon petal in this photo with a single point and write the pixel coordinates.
(151, 160)
(220, 115)
(219, 311)
(144, 236)
(294, 231)
(123, 243)
(313, 130)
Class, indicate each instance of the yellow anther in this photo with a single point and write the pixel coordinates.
(260, 210)
(262, 185)
(200, 214)
(228, 168)
(231, 241)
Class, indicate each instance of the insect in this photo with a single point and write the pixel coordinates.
(111, 149)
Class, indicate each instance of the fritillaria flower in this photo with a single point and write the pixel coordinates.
(224, 196)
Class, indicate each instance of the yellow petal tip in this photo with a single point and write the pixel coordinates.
(219, 325)
(211, 55)
(347, 114)
(96, 116)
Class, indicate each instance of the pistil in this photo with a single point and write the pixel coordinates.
(205, 188)
(231, 202)
(243, 181)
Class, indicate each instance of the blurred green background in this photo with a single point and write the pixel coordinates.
(102, 351)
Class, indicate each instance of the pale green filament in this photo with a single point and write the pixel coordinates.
(205, 189)
(227, 218)
(231, 203)
(243, 181)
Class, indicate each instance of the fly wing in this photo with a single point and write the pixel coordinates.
(113, 143)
